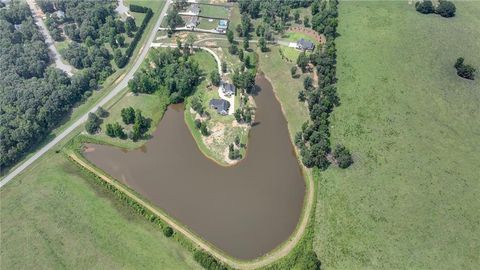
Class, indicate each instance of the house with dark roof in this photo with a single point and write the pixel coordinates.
(305, 45)
(192, 22)
(221, 105)
(227, 88)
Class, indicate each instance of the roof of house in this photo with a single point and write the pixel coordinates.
(194, 8)
(59, 13)
(305, 44)
(192, 21)
(228, 87)
(221, 105)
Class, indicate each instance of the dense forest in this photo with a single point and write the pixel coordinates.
(34, 96)
(172, 71)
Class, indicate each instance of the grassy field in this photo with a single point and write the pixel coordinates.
(206, 24)
(213, 11)
(52, 217)
(411, 200)
(277, 70)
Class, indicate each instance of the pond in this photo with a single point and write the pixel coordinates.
(245, 210)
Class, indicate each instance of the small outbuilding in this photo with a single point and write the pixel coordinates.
(60, 14)
(220, 105)
(305, 45)
(222, 26)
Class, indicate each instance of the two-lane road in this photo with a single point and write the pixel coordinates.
(120, 86)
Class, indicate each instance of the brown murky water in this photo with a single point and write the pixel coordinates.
(245, 210)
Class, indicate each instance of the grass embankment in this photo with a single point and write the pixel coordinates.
(54, 216)
(223, 131)
(286, 88)
(411, 199)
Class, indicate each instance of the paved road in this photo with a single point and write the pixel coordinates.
(54, 54)
(120, 86)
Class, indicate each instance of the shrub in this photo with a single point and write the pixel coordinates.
(138, 9)
(207, 261)
(93, 123)
(224, 67)
(110, 132)
(101, 112)
(446, 9)
(128, 115)
(464, 71)
(203, 129)
(342, 156)
(167, 231)
(232, 49)
(215, 78)
(424, 7)
(198, 123)
(293, 71)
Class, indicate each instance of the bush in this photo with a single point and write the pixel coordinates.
(93, 123)
(138, 9)
(128, 115)
(293, 71)
(215, 78)
(233, 49)
(342, 156)
(464, 71)
(424, 7)
(110, 132)
(167, 231)
(101, 112)
(446, 9)
(207, 261)
(198, 123)
(203, 129)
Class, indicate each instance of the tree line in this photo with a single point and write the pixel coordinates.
(314, 137)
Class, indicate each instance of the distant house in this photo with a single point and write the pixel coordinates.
(193, 9)
(222, 26)
(221, 105)
(305, 45)
(192, 22)
(227, 88)
(60, 14)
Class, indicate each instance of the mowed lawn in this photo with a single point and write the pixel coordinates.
(412, 198)
(52, 217)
